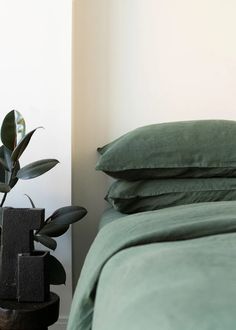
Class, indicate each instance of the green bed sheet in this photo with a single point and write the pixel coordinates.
(171, 269)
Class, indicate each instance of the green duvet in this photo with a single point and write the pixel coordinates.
(171, 269)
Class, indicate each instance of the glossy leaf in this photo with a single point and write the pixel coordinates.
(7, 158)
(2, 165)
(35, 169)
(53, 230)
(31, 201)
(4, 159)
(46, 241)
(56, 271)
(4, 171)
(68, 215)
(21, 146)
(1, 215)
(10, 177)
(4, 188)
(2, 174)
(13, 129)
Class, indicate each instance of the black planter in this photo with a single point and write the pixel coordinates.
(23, 271)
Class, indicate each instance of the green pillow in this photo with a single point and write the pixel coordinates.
(205, 148)
(147, 195)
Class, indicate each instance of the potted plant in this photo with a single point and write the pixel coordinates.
(25, 271)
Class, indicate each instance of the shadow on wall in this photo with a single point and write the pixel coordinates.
(90, 124)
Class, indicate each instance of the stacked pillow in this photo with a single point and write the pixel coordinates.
(170, 164)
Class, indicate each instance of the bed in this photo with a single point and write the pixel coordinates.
(170, 269)
(170, 264)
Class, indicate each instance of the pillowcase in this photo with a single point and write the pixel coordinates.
(138, 196)
(205, 148)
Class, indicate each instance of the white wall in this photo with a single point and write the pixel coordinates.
(35, 79)
(138, 62)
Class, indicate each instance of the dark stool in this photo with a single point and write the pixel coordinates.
(29, 316)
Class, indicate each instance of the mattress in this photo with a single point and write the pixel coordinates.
(171, 269)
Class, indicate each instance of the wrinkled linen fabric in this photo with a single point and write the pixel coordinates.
(199, 148)
(171, 269)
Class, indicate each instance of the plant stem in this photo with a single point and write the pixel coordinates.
(3, 199)
(5, 194)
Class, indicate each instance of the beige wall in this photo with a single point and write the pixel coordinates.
(138, 62)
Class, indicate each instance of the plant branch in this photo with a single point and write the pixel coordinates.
(5, 194)
(3, 199)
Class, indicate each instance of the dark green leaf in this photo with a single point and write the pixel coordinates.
(21, 146)
(5, 155)
(57, 274)
(2, 159)
(7, 173)
(4, 188)
(2, 165)
(1, 214)
(14, 179)
(31, 201)
(46, 241)
(68, 215)
(35, 169)
(2, 174)
(13, 129)
(54, 230)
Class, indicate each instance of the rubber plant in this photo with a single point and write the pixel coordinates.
(14, 142)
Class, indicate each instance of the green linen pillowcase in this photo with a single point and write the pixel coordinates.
(147, 195)
(204, 148)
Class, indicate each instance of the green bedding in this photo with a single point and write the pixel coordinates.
(171, 269)
(110, 215)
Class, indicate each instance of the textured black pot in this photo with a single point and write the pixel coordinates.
(23, 271)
